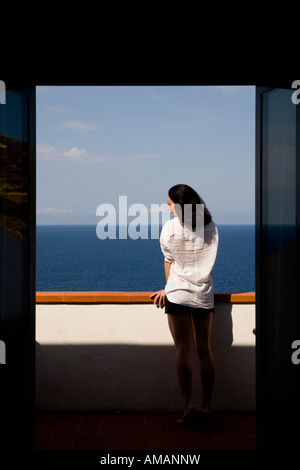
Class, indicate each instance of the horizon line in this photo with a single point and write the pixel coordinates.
(124, 225)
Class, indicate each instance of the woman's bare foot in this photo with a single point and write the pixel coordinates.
(188, 408)
(188, 411)
(204, 411)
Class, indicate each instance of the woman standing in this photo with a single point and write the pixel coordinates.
(190, 253)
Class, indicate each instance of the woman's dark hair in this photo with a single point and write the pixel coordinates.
(182, 194)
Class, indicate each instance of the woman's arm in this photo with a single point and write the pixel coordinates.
(159, 297)
(167, 269)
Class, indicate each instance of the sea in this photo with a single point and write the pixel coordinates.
(73, 258)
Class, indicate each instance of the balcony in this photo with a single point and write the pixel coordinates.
(105, 364)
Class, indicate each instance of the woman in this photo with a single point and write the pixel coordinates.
(189, 251)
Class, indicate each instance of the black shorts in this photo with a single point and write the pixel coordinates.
(177, 309)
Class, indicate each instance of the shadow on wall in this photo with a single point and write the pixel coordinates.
(137, 377)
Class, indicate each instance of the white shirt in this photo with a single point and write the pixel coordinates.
(190, 280)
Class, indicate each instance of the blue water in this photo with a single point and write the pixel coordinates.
(73, 258)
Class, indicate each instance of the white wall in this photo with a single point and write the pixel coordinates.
(121, 357)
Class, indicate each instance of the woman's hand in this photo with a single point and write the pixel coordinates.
(159, 298)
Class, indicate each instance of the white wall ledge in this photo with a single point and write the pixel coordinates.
(120, 357)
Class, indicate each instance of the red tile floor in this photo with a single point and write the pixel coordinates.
(143, 431)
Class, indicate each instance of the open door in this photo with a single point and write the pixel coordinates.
(17, 267)
(277, 269)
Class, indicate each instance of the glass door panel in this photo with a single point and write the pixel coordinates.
(17, 267)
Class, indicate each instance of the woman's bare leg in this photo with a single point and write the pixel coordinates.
(202, 334)
(180, 328)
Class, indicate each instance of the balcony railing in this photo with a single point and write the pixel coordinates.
(130, 297)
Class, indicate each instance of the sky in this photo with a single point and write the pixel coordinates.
(98, 143)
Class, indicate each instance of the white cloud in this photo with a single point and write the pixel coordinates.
(74, 152)
(51, 153)
(146, 156)
(184, 127)
(228, 90)
(78, 126)
(94, 158)
(234, 91)
(52, 210)
(152, 93)
(47, 152)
